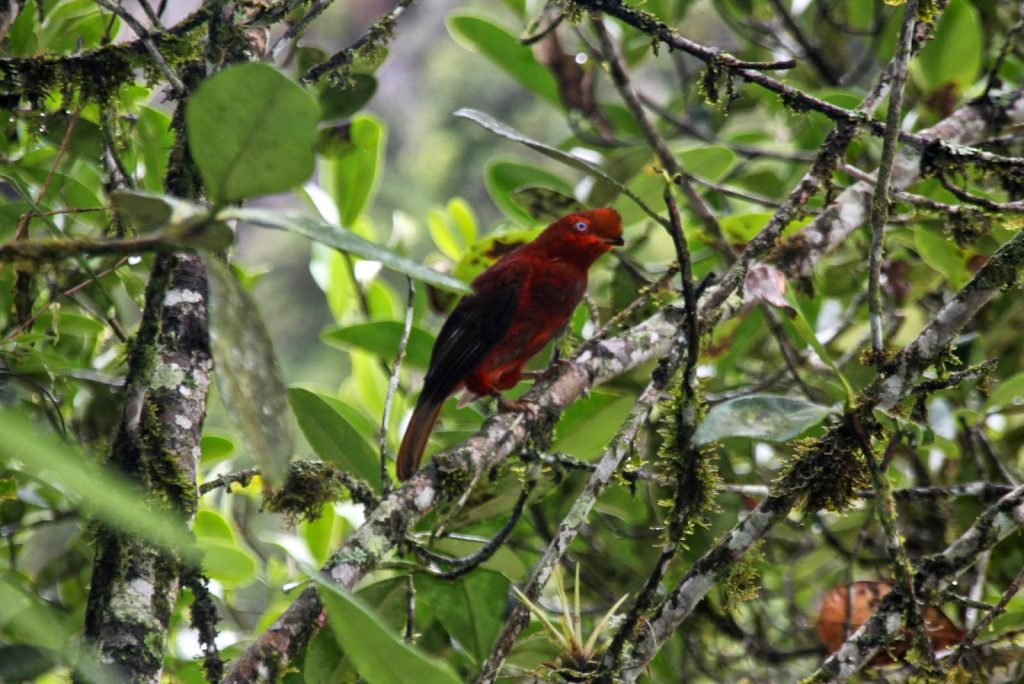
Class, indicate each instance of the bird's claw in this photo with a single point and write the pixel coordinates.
(506, 405)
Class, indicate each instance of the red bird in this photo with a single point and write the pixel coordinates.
(517, 305)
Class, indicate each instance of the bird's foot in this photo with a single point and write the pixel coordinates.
(506, 405)
(556, 367)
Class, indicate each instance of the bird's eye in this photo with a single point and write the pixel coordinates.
(581, 226)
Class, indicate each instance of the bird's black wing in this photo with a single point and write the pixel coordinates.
(476, 325)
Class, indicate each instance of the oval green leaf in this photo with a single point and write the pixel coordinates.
(355, 166)
(505, 51)
(248, 374)
(225, 562)
(379, 655)
(332, 437)
(382, 338)
(765, 417)
(264, 128)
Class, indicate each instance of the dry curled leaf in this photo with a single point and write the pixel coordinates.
(768, 284)
(867, 595)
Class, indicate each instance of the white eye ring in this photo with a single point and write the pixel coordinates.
(581, 226)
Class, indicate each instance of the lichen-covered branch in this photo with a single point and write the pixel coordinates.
(880, 201)
(971, 123)
(134, 585)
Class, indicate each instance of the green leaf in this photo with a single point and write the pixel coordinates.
(742, 227)
(380, 656)
(544, 204)
(355, 167)
(346, 241)
(319, 534)
(156, 141)
(382, 338)
(342, 101)
(1010, 392)
(225, 562)
(333, 437)
(99, 492)
(441, 234)
(464, 219)
(710, 163)
(589, 424)
(504, 50)
(955, 54)
(504, 178)
(251, 131)
(23, 663)
(215, 448)
(942, 255)
(766, 417)
(248, 374)
(212, 525)
(148, 212)
(801, 327)
(509, 133)
(471, 609)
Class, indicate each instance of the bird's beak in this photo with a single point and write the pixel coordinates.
(617, 241)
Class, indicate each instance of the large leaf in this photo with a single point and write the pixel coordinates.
(382, 338)
(225, 562)
(509, 133)
(333, 437)
(471, 610)
(98, 491)
(507, 52)
(251, 131)
(955, 54)
(710, 163)
(942, 255)
(766, 417)
(380, 656)
(346, 241)
(354, 167)
(504, 178)
(248, 374)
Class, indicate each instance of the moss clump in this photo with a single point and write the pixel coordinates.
(827, 473)
(744, 579)
(309, 486)
(691, 470)
(968, 225)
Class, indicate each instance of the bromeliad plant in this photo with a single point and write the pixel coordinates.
(577, 659)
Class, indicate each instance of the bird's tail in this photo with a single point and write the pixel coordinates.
(416, 435)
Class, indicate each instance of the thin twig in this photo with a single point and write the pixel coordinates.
(667, 160)
(466, 564)
(396, 368)
(381, 30)
(880, 202)
(147, 41)
(983, 623)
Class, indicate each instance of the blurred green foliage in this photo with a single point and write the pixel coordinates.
(373, 168)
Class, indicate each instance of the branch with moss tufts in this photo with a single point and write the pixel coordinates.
(719, 61)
